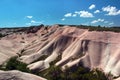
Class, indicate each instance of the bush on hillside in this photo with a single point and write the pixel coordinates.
(14, 64)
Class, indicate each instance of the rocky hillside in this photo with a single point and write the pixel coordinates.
(17, 75)
(70, 46)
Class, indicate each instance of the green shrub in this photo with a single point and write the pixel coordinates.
(2, 35)
(14, 64)
(55, 73)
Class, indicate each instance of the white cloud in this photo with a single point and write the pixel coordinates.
(94, 21)
(98, 20)
(112, 11)
(105, 21)
(85, 14)
(29, 17)
(32, 21)
(77, 12)
(63, 19)
(111, 23)
(74, 15)
(97, 11)
(68, 15)
(28, 24)
(37, 22)
(92, 6)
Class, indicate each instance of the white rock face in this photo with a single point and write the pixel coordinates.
(92, 49)
(76, 46)
(17, 75)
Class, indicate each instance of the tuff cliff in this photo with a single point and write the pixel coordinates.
(75, 47)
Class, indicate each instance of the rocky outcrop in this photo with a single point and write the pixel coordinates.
(17, 75)
(75, 47)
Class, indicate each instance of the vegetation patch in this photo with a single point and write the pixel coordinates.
(2, 35)
(55, 73)
(14, 64)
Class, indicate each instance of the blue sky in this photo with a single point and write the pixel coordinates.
(15, 13)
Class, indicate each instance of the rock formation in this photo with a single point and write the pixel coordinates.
(17, 75)
(75, 46)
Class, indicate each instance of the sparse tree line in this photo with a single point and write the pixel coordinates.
(95, 28)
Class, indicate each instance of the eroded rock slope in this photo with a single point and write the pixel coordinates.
(75, 46)
(17, 75)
